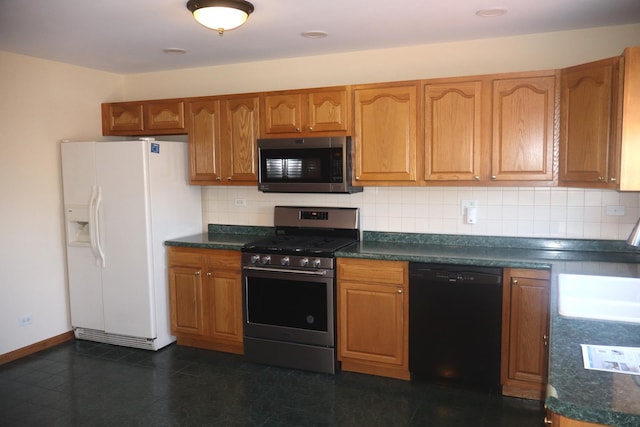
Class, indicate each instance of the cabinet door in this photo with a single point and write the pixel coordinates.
(143, 118)
(628, 121)
(240, 136)
(385, 134)
(164, 115)
(122, 118)
(185, 293)
(525, 331)
(371, 326)
(524, 137)
(327, 111)
(283, 113)
(204, 142)
(587, 131)
(373, 317)
(453, 113)
(224, 305)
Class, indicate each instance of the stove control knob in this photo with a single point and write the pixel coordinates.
(304, 262)
(284, 260)
(316, 263)
(266, 259)
(255, 259)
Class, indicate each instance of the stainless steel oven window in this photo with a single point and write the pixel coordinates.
(289, 306)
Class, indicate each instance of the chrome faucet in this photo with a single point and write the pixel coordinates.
(634, 237)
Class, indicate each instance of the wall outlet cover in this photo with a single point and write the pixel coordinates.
(615, 210)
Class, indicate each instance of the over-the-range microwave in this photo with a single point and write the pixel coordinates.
(306, 165)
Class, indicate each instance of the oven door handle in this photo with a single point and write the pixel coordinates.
(285, 270)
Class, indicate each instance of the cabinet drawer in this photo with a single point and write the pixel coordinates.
(530, 273)
(373, 271)
(223, 259)
(184, 257)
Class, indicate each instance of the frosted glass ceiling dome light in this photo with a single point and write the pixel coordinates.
(220, 15)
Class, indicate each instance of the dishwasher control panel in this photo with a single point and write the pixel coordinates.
(457, 273)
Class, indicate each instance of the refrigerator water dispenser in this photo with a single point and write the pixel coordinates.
(77, 218)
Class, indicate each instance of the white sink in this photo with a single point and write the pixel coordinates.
(599, 297)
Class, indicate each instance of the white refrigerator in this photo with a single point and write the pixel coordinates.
(122, 200)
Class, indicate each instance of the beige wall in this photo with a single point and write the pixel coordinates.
(531, 52)
(41, 102)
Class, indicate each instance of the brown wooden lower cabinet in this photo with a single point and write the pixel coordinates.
(205, 288)
(373, 317)
(555, 420)
(373, 301)
(525, 332)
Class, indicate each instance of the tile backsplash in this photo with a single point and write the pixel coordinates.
(501, 211)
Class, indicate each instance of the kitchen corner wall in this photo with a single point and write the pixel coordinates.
(505, 211)
(42, 102)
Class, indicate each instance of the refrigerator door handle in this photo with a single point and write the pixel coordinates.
(94, 225)
(98, 239)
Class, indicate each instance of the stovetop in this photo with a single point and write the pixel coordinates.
(299, 244)
(308, 231)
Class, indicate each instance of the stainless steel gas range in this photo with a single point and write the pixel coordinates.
(289, 290)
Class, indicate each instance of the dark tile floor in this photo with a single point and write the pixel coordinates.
(81, 383)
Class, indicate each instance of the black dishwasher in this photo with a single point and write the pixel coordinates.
(455, 318)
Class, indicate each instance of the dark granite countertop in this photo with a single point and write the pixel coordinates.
(587, 395)
(488, 251)
(222, 237)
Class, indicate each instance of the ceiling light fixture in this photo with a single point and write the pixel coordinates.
(220, 15)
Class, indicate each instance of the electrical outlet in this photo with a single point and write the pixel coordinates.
(25, 320)
(615, 210)
(241, 203)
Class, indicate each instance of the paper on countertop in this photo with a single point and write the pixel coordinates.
(623, 360)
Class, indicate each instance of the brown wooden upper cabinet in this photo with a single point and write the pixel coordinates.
(575, 127)
(524, 141)
(204, 141)
(163, 117)
(313, 112)
(629, 122)
(600, 130)
(223, 134)
(491, 129)
(453, 128)
(385, 133)
(589, 146)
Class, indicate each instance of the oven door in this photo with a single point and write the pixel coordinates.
(289, 305)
